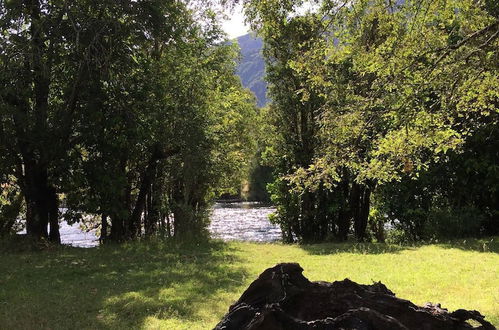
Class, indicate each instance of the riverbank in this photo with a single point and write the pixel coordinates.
(167, 286)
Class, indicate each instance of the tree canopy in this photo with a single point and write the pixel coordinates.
(128, 116)
(124, 110)
(377, 95)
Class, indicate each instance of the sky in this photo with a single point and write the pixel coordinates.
(235, 26)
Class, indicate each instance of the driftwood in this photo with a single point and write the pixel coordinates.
(282, 298)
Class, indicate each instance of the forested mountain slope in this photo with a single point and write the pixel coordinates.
(251, 69)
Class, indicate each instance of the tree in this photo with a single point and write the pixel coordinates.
(399, 85)
(127, 109)
(167, 133)
(45, 56)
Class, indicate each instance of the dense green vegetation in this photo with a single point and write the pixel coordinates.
(382, 112)
(191, 286)
(131, 116)
(129, 112)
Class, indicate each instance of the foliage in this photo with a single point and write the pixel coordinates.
(11, 204)
(399, 91)
(456, 197)
(131, 111)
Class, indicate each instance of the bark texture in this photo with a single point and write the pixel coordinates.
(282, 298)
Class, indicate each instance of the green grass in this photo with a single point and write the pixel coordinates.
(163, 286)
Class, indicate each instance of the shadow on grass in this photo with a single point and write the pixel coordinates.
(170, 284)
(473, 244)
(355, 248)
(118, 287)
(490, 244)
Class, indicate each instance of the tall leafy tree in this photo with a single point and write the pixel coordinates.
(126, 109)
(401, 85)
(46, 49)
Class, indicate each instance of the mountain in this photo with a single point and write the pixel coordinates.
(251, 68)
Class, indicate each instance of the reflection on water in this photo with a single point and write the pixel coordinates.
(243, 222)
(229, 221)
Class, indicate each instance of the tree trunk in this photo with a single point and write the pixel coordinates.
(140, 204)
(322, 214)
(117, 229)
(53, 209)
(308, 226)
(147, 180)
(178, 214)
(152, 218)
(103, 230)
(361, 207)
(355, 205)
(344, 212)
(37, 215)
(120, 213)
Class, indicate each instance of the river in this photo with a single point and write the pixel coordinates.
(243, 222)
(229, 222)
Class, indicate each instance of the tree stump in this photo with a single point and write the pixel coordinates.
(282, 298)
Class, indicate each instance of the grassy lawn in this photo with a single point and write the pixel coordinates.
(162, 286)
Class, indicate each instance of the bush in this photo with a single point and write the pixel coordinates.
(10, 209)
(24, 243)
(454, 223)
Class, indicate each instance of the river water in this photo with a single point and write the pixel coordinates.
(229, 222)
(243, 222)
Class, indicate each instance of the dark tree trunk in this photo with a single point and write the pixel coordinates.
(322, 213)
(355, 205)
(37, 215)
(179, 216)
(145, 186)
(121, 211)
(148, 177)
(344, 212)
(308, 226)
(152, 218)
(117, 228)
(364, 213)
(103, 230)
(361, 206)
(53, 208)
(42, 204)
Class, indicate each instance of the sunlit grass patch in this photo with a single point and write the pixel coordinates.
(168, 286)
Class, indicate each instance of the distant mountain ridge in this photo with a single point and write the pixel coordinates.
(251, 68)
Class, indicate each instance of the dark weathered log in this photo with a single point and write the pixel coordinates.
(282, 298)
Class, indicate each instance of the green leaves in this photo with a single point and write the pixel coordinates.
(373, 92)
(123, 83)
